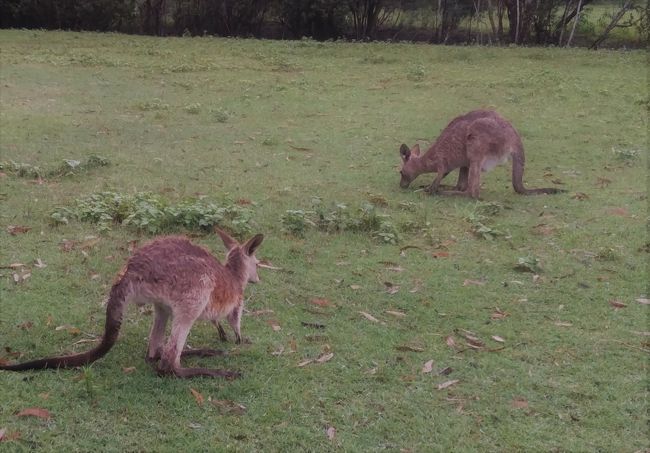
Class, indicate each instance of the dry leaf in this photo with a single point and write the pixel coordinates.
(325, 357)
(34, 412)
(128, 369)
(498, 338)
(498, 314)
(440, 254)
(321, 302)
(305, 363)
(450, 341)
(563, 324)
(391, 288)
(264, 311)
(409, 348)
(395, 268)
(274, 325)
(227, 407)
(617, 304)
(331, 432)
(40, 264)
(197, 396)
(519, 403)
(397, 314)
(355, 287)
(314, 325)
(428, 367)
(473, 282)
(447, 384)
(368, 316)
(643, 301)
(17, 229)
(621, 212)
(580, 196)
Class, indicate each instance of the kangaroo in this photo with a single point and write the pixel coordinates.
(183, 281)
(475, 142)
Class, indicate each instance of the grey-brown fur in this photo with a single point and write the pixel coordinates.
(474, 142)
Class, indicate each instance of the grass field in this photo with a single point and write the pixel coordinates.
(532, 309)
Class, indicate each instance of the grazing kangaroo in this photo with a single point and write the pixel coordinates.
(183, 281)
(475, 142)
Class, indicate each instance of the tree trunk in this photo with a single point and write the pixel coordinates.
(612, 24)
(575, 22)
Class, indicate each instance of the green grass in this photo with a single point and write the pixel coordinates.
(279, 123)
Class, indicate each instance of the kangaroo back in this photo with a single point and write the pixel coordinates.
(114, 313)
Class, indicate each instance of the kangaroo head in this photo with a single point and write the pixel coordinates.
(247, 262)
(410, 164)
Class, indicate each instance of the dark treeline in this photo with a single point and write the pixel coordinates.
(538, 22)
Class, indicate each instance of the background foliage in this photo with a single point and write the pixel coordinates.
(542, 22)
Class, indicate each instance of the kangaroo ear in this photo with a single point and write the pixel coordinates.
(252, 244)
(416, 150)
(405, 152)
(228, 241)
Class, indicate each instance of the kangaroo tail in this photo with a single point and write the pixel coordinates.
(518, 161)
(114, 313)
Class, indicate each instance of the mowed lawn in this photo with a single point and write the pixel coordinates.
(510, 324)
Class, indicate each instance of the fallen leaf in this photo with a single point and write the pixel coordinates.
(34, 412)
(450, 341)
(26, 325)
(274, 325)
(321, 302)
(391, 288)
(264, 311)
(447, 384)
(197, 396)
(617, 304)
(395, 268)
(428, 367)
(355, 287)
(643, 301)
(17, 229)
(498, 338)
(519, 403)
(67, 245)
(325, 357)
(227, 407)
(440, 255)
(563, 324)
(498, 314)
(331, 432)
(409, 348)
(16, 265)
(468, 282)
(40, 264)
(314, 325)
(305, 363)
(471, 338)
(44, 396)
(621, 212)
(128, 369)
(580, 196)
(71, 329)
(368, 316)
(445, 371)
(278, 351)
(397, 314)
(243, 201)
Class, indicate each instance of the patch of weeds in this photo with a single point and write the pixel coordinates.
(193, 109)
(22, 170)
(270, 141)
(528, 263)
(66, 168)
(416, 73)
(607, 254)
(155, 104)
(480, 216)
(150, 213)
(338, 218)
(626, 154)
(220, 115)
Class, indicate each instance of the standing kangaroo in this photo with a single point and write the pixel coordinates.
(182, 281)
(475, 142)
